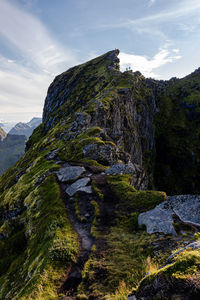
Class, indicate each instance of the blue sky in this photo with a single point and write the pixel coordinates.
(42, 38)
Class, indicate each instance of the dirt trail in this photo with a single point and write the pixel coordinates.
(83, 228)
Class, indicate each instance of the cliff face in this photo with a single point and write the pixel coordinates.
(69, 208)
(177, 162)
(121, 104)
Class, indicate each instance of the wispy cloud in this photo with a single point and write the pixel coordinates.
(24, 81)
(148, 66)
(149, 24)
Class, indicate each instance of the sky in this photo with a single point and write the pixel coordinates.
(40, 39)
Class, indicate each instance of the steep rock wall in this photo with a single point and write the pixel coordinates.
(121, 104)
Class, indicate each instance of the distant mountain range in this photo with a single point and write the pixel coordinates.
(12, 145)
(25, 128)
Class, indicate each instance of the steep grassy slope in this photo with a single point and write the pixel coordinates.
(69, 206)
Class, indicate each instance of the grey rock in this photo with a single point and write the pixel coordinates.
(81, 120)
(11, 214)
(52, 154)
(119, 169)
(132, 298)
(187, 208)
(69, 173)
(105, 154)
(87, 215)
(86, 189)
(79, 185)
(159, 219)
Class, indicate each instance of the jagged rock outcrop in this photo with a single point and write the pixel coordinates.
(69, 207)
(121, 104)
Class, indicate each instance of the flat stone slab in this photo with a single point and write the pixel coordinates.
(86, 189)
(79, 185)
(159, 219)
(69, 173)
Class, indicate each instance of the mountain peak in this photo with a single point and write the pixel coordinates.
(78, 86)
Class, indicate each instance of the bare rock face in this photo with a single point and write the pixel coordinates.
(97, 94)
(69, 173)
(79, 185)
(105, 154)
(160, 219)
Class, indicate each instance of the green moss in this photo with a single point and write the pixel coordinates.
(177, 137)
(133, 199)
(185, 265)
(38, 133)
(123, 257)
(97, 191)
(119, 258)
(41, 244)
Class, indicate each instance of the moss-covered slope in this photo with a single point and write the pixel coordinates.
(69, 206)
(177, 166)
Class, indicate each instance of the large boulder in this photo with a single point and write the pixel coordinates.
(69, 173)
(160, 219)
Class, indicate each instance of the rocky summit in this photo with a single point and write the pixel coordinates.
(104, 204)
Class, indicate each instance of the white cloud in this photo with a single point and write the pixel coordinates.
(146, 65)
(176, 50)
(24, 82)
(151, 2)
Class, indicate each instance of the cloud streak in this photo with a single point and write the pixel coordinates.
(24, 81)
(184, 9)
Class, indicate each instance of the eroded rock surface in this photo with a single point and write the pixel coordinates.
(79, 185)
(69, 173)
(160, 219)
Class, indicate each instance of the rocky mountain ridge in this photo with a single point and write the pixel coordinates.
(69, 208)
(12, 145)
(25, 128)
